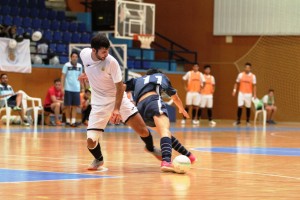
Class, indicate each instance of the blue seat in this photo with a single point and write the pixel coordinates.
(55, 25)
(23, 4)
(76, 37)
(61, 48)
(52, 47)
(24, 12)
(34, 13)
(41, 4)
(52, 14)
(5, 10)
(28, 30)
(43, 14)
(64, 26)
(11, 2)
(20, 30)
(14, 11)
(73, 27)
(48, 35)
(36, 24)
(27, 22)
(85, 38)
(7, 20)
(81, 27)
(45, 24)
(4, 2)
(63, 59)
(17, 21)
(57, 36)
(67, 37)
(60, 15)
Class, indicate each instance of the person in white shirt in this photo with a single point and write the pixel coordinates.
(269, 103)
(109, 101)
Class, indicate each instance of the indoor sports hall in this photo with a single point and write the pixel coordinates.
(239, 57)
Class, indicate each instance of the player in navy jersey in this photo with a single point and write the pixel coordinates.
(147, 95)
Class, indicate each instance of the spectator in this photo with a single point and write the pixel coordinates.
(14, 100)
(12, 32)
(54, 100)
(86, 106)
(42, 50)
(71, 86)
(270, 107)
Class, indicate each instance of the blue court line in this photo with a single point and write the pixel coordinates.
(13, 176)
(124, 129)
(272, 151)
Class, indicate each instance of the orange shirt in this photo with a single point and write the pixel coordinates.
(194, 81)
(209, 85)
(246, 82)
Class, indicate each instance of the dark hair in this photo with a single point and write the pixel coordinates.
(271, 90)
(3, 75)
(87, 90)
(100, 41)
(207, 66)
(249, 64)
(196, 64)
(74, 52)
(153, 71)
(56, 80)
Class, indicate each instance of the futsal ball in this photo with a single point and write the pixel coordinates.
(36, 36)
(182, 164)
(12, 44)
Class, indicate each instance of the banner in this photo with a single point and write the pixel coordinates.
(15, 57)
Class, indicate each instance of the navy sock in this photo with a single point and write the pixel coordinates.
(199, 113)
(166, 148)
(187, 110)
(179, 147)
(149, 142)
(248, 113)
(239, 114)
(96, 152)
(193, 113)
(209, 114)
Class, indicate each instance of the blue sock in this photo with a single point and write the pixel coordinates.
(166, 148)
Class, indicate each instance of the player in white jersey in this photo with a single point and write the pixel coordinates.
(109, 101)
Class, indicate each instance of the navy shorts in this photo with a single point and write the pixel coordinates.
(72, 98)
(150, 107)
(11, 101)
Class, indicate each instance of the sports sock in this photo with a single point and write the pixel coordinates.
(149, 142)
(73, 120)
(239, 114)
(96, 152)
(179, 147)
(199, 113)
(68, 120)
(187, 110)
(193, 113)
(209, 113)
(248, 112)
(166, 148)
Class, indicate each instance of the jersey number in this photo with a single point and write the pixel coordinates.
(147, 79)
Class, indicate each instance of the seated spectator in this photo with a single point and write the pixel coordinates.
(86, 106)
(54, 100)
(14, 100)
(42, 50)
(270, 107)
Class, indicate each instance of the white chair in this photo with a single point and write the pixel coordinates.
(7, 109)
(36, 107)
(259, 109)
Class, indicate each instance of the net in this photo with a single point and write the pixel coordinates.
(276, 64)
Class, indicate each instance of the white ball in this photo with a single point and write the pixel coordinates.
(182, 164)
(36, 36)
(54, 61)
(12, 44)
(37, 60)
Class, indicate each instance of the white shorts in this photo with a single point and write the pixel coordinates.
(100, 115)
(244, 99)
(193, 98)
(206, 101)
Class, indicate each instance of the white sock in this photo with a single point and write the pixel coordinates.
(68, 120)
(73, 120)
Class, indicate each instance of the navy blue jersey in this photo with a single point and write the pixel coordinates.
(156, 82)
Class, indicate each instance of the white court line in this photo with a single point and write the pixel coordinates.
(275, 134)
(150, 164)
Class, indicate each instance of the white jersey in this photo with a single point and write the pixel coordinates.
(102, 76)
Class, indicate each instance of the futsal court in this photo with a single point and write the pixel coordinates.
(233, 163)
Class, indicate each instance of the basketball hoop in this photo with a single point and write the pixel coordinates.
(145, 40)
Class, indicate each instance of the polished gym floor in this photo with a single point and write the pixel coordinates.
(233, 163)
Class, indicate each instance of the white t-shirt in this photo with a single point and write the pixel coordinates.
(102, 76)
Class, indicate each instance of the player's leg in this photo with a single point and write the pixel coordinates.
(240, 107)
(19, 99)
(56, 108)
(188, 103)
(248, 107)
(75, 104)
(67, 104)
(203, 104)
(274, 109)
(196, 104)
(209, 110)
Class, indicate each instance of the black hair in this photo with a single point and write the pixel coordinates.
(207, 66)
(100, 41)
(87, 90)
(153, 71)
(3, 75)
(248, 64)
(74, 52)
(196, 64)
(271, 90)
(56, 80)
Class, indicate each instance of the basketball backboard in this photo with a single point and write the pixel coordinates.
(134, 18)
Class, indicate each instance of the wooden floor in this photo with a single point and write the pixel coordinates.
(234, 163)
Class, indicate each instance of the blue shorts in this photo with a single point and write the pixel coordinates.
(72, 98)
(11, 101)
(150, 107)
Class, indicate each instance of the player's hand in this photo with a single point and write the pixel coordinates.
(184, 113)
(254, 96)
(115, 117)
(233, 93)
(83, 78)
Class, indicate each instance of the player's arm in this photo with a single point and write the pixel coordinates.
(116, 117)
(62, 78)
(254, 91)
(202, 80)
(179, 105)
(236, 85)
(185, 81)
